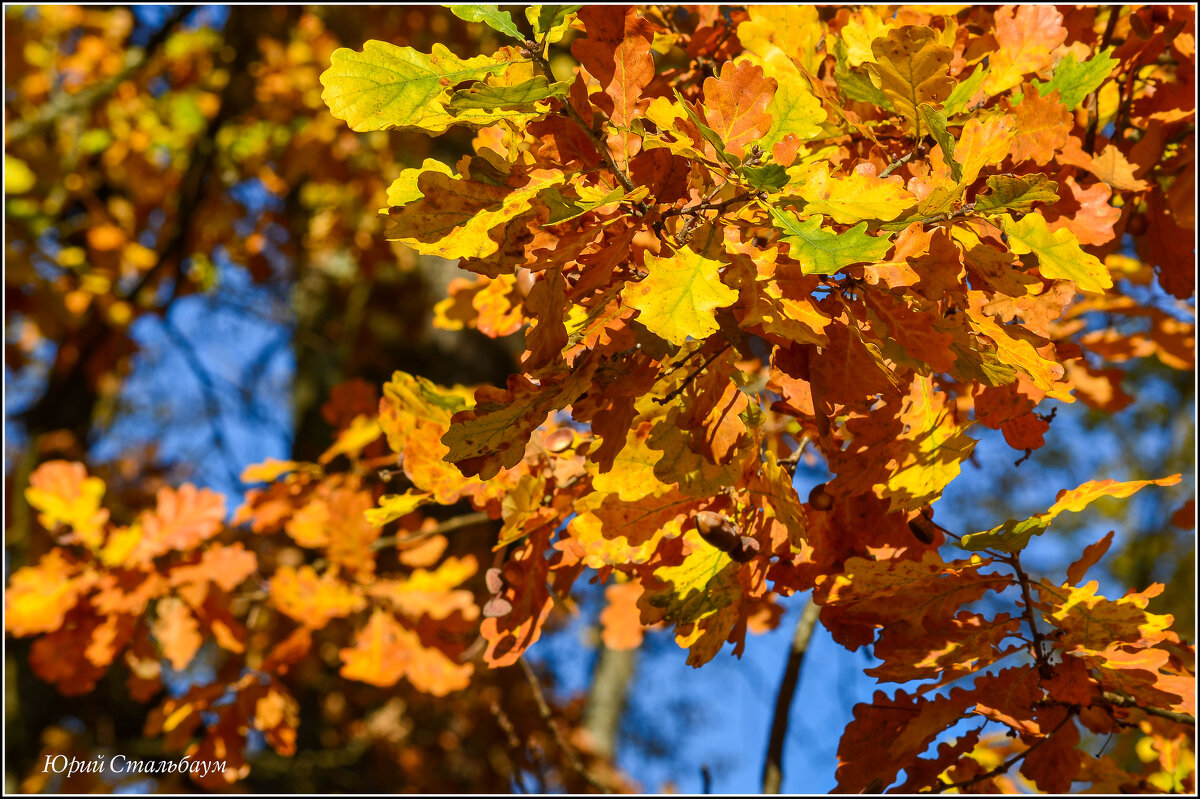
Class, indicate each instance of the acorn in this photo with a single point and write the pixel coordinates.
(717, 530)
(922, 526)
(820, 498)
(496, 607)
(560, 439)
(746, 549)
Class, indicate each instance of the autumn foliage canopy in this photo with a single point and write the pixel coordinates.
(735, 240)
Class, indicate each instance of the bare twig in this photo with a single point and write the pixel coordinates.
(1007, 764)
(899, 162)
(700, 208)
(600, 145)
(448, 526)
(688, 380)
(544, 711)
(773, 769)
(208, 392)
(1039, 651)
(1120, 700)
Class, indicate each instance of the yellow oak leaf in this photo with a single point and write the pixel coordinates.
(1059, 254)
(38, 597)
(65, 495)
(311, 600)
(388, 87)
(911, 67)
(933, 449)
(677, 298)
(858, 196)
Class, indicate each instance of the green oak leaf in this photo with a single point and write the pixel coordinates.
(1059, 254)
(1075, 80)
(935, 120)
(523, 95)
(1016, 193)
(820, 251)
(956, 103)
(491, 16)
(1013, 535)
(550, 21)
(389, 87)
(768, 177)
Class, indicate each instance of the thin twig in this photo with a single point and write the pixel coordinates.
(1007, 764)
(773, 769)
(208, 393)
(448, 526)
(1125, 701)
(1039, 653)
(544, 711)
(899, 162)
(687, 381)
(600, 145)
(514, 742)
(700, 208)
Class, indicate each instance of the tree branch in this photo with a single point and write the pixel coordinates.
(1039, 652)
(1007, 764)
(773, 769)
(1120, 700)
(600, 145)
(544, 711)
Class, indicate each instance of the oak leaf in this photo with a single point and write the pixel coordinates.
(384, 652)
(820, 251)
(677, 297)
(736, 103)
(911, 68)
(64, 494)
(389, 87)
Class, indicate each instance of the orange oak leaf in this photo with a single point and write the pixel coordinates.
(1086, 620)
(1043, 124)
(620, 621)
(60, 657)
(1090, 557)
(224, 566)
(384, 652)
(736, 105)
(38, 597)
(1054, 764)
(311, 600)
(177, 632)
(182, 520)
(888, 733)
